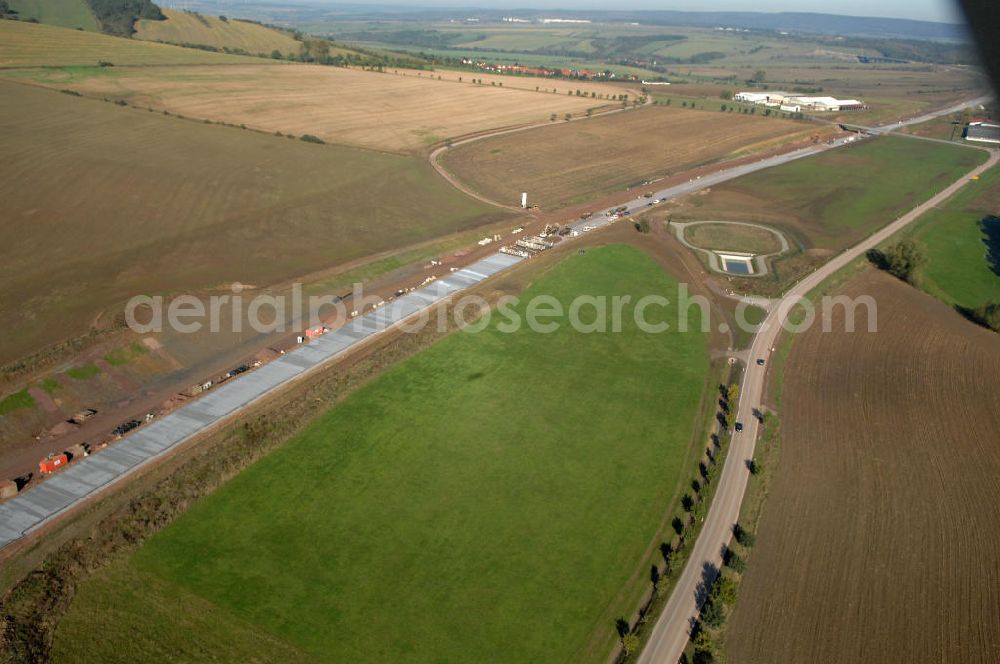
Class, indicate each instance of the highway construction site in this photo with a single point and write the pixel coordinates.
(137, 440)
(80, 472)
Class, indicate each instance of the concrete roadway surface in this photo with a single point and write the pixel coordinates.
(643, 204)
(889, 128)
(671, 631)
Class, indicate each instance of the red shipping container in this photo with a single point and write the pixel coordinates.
(50, 465)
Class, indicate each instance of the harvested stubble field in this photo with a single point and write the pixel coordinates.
(879, 541)
(571, 162)
(183, 28)
(145, 204)
(455, 509)
(35, 45)
(385, 111)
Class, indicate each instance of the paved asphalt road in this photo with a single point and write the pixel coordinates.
(671, 631)
(889, 128)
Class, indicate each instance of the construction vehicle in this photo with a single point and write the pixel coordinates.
(52, 463)
(125, 427)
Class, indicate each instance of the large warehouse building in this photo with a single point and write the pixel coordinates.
(982, 132)
(796, 103)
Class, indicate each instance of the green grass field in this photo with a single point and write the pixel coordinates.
(828, 202)
(835, 199)
(125, 354)
(62, 13)
(16, 401)
(492, 498)
(143, 204)
(958, 270)
(83, 372)
(734, 237)
(50, 385)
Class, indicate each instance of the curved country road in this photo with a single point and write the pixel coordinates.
(670, 633)
(455, 182)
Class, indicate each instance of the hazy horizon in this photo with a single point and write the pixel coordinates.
(940, 11)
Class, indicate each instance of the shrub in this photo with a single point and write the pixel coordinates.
(736, 563)
(712, 613)
(987, 315)
(902, 260)
(743, 536)
(117, 17)
(309, 138)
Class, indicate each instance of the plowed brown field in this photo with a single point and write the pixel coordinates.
(100, 203)
(879, 541)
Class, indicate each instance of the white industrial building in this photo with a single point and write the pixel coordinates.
(797, 103)
(761, 98)
(827, 103)
(982, 132)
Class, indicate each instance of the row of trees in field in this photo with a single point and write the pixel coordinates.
(693, 508)
(988, 314)
(717, 593)
(718, 589)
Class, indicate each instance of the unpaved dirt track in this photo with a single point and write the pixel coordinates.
(672, 629)
(880, 538)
